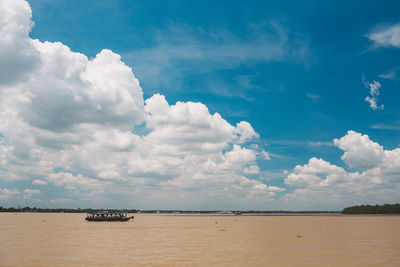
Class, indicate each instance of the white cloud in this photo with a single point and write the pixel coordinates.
(373, 87)
(29, 192)
(381, 126)
(313, 173)
(360, 151)
(386, 36)
(265, 155)
(69, 119)
(6, 193)
(320, 143)
(17, 55)
(252, 169)
(276, 189)
(372, 103)
(260, 190)
(245, 132)
(189, 127)
(39, 182)
(391, 75)
(374, 181)
(66, 178)
(102, 90)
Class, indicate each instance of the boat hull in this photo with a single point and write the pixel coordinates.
(124, 219)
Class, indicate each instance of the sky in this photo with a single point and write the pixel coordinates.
(264, 105)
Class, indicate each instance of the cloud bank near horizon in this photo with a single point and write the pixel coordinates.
(372, 175)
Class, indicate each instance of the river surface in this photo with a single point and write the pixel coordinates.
(57, 239)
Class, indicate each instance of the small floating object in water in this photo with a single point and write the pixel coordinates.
(216, 222)
(222, 230)
(299, 236)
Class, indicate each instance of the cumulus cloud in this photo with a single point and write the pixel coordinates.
(314, 173)
(71, 121)
(258, 188)
(375, 177)
(187, 126)
(17, 55)
(386, 36)
(245, 132)
(360, 151)
(68, 90)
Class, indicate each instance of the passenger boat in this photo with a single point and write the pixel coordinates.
(105, 216)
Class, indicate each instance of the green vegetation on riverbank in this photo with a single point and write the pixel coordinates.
(377, 209)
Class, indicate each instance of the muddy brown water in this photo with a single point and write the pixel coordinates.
(32, 239)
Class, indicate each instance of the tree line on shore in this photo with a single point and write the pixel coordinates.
(377, 209)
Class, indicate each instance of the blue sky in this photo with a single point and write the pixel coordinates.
(301, 73)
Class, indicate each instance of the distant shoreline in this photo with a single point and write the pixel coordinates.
(292, 214)
(386, 209)
(166, 212)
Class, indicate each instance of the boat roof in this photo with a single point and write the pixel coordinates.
(108, 212)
